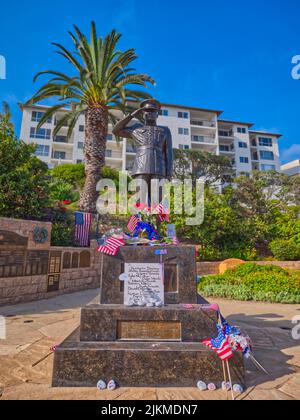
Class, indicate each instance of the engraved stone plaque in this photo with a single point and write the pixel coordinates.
(144, 285)
(149, 330)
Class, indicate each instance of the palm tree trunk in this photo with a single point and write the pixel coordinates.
(95, 146)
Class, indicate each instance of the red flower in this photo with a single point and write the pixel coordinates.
(67, 202)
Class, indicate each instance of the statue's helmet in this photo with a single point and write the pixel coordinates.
(151, 105)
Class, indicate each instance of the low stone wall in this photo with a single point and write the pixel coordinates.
(15, 290)
(31, 269)
(209, 268)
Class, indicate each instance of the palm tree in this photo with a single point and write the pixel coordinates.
(104, 82)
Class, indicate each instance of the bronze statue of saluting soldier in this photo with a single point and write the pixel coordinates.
(154, 156)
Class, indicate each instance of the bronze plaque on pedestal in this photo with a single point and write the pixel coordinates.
(149, 330)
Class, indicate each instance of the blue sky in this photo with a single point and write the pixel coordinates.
(230, 55)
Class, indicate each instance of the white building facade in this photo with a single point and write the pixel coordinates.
(291, 168)
(191, 128)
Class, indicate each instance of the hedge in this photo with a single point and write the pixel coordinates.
(253, 282)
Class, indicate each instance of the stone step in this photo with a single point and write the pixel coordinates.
(169, 323)
(136, 364)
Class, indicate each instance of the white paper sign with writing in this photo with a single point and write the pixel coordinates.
(144, 285)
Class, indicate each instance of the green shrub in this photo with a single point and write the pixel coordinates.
(209, 253)
(285, 250)
(62, 234)
(69, 173)
(254, 282)
(60, 191)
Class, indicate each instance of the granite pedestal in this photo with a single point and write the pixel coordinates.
(142, 347)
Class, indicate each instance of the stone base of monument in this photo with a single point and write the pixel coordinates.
(141, 346)
(139, 364)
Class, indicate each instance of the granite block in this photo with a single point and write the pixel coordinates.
(100, 322)
(182, 257)
(80, 364)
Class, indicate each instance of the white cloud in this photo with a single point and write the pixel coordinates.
(292, 153)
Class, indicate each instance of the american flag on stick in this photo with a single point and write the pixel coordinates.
(83, 222)
(133, 222)
(112, 246)
(220, 345)
(163, 213)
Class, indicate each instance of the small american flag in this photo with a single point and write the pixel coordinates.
(83, 223)
(133, 222)
(112, 246)
(220, 345)
(54, 347)
(175, 241)
(163, 213)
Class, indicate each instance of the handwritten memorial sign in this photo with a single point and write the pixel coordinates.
(144, 286)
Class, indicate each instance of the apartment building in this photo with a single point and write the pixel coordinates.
(291, 168)
(192, 128)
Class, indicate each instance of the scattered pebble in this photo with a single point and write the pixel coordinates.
(111, 386)
(238, 388)
(226, 386)
(101, 385)
(202, 386)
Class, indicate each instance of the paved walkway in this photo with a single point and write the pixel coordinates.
(32, 328)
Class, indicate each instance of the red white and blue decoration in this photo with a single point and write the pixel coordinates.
(220, 345)
(112, 245)
(83, 222)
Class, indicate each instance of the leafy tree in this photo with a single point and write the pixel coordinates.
(195, 164)
(222, 234)
(104, 82)
(6, 124)
(23, 188)
(262, 201)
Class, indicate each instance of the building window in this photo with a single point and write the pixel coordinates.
(81, 128)
(59, 155)
(244, 159)
(224, 133)
(224, 148)
(243, 145)
(40, 133)
(80, 145)
(183, 131)
(108, 153)
(198, 139)
(242, 130)
(266, 155)
(42, 150)
(184, 147)
(184, 115)
(109, 137)
(163, 112)
(36, 116)
(264, 141)
(268, 167)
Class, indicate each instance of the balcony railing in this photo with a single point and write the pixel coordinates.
(223, 133)
(203, 140)
(112, 155)
(203, 123)
(60, 156)
(61, 139)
